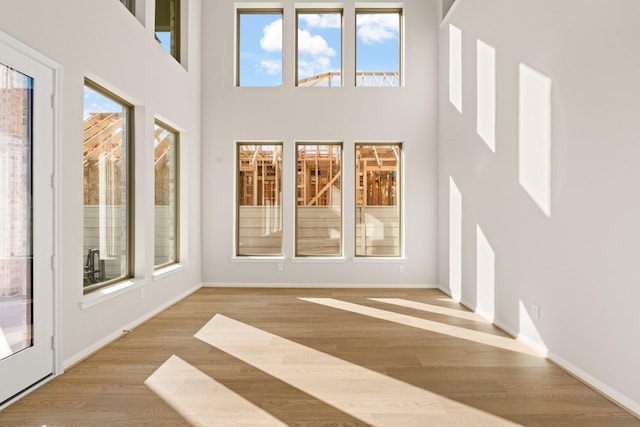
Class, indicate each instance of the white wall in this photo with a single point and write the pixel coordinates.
(580, 264)
(103, 41)
(346, 114)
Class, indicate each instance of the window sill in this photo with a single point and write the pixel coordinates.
(379, 260)
(258, 259)
(110, 292)
(169, 270)
(314, 259)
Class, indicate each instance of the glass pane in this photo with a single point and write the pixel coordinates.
(259, 200)
(165, 211)
(378, 200)
(166, 25)
(378, 49)
(260, 49)
(319, 207)
(16, 240)
(105, 189)
(129, 4)
(319, 49)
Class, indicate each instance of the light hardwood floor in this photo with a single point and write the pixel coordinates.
(315, 357)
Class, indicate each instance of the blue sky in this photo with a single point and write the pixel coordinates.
(95, 102)
(319, 45)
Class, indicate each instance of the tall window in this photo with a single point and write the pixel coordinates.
(319, 204)
(166, 196)
(378, 184)
(319, 48)
(107, 188)
(259, 205)
(168, 26)
(129, 4)
(259, 54)
(378, 47)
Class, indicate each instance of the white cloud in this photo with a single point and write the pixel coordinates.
(272, 39)
(315, 46)
(315, 20)
(315, 54)
(270, 67)
(377, 27)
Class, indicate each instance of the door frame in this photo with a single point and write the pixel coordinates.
(56, 183)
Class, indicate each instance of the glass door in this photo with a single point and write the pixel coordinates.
(26, 225)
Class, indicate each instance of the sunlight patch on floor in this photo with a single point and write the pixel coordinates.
(357, 391)
(430, 308)
(504, 343)
(203, 401)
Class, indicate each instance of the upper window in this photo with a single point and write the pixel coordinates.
(378, 219)
(107, 197)
(318, 48)
(259, 48)
(129, 4)
(168, 26)
(319, 204)
(166, 196)
(259, 206)
(378, 47)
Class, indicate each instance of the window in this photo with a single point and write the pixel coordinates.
(378, 185)
(318, 48)
(259, 54)
(107, 188)
(166, 196)
(259, 205)
(168, 26)
(378, 47)
(129, 4)
(319, 204)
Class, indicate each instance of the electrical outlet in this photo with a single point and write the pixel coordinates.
(535, 311)
(142, 292)
(401, 268)
(280, 266)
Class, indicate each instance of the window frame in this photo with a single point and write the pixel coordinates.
(319, 11)
(340, 253)
(237, 194)
(176, 176)
(130, 5)
(130, 186)
(175, 31)
(399, 195)
(376, 11)
(256, 11)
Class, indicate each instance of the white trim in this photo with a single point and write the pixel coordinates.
(609, 392)
(318, 285)
(109, 292)
(378, 260)
(318, 260)
(131, 325)
(169, 270)
(251, 259)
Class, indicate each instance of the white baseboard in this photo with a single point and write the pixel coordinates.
(116, 334)
(611, 393)
(318, 285)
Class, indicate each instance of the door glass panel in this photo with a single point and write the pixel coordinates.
(16, 254)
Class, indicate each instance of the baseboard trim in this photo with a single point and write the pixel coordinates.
(88, 351)
(318, 285)
(607, 391)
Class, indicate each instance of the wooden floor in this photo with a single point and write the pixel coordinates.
(272, 357)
